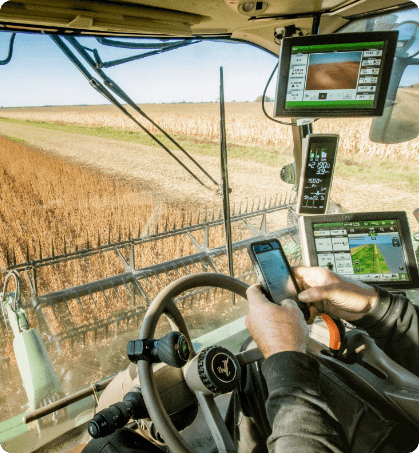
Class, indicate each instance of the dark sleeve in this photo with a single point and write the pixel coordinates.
(393, 323)
(300, 418)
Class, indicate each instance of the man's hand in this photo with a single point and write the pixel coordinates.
(336, 296)
(275, 328)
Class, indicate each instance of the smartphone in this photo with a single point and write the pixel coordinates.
(274, 273)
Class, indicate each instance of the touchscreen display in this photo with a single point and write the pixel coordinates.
(365, 250)
(275, 272)
(335, 75)
(320, 162)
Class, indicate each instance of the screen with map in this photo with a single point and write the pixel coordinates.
(366, 250)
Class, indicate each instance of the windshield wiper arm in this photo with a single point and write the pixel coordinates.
(139, 45)
(109, 96)
(112, 86)
(159, 48)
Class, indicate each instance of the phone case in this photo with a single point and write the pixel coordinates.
(302, 306)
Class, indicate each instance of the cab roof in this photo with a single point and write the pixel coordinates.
(251, 21)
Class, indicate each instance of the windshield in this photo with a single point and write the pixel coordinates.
(100, 210)
(88, 196)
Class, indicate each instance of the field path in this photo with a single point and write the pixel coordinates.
(158, 173)
(151, 167)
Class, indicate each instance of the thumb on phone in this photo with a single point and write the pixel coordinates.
(315, 297)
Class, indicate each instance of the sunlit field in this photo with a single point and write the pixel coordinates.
(245, 121)
(51, 207)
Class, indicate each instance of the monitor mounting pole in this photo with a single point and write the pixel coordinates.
(300, 132)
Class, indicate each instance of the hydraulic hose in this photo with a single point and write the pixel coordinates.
(16, 299)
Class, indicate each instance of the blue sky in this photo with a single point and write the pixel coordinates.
(339, 57)
(40, 74)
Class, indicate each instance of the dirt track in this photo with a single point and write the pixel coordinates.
(151, 167)
(157, 173)
(336, 76)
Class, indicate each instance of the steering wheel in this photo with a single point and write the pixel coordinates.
(202, 387)
(197, 372)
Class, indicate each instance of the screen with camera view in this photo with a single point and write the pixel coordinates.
(326, 75)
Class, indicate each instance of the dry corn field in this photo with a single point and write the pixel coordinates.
(51, 205)
(245, 121)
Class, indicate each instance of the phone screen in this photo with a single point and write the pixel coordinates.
(275, 272)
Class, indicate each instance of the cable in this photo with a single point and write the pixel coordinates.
(285, 123)
(10, 53)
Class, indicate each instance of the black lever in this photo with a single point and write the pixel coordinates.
(118, 415)
(172, 349)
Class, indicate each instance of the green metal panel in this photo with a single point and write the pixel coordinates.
(39, 377)
(12, 428)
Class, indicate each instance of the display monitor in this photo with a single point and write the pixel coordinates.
(319, 157)
(335, 75)
(369, 247)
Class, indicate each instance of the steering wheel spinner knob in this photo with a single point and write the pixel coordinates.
(172, 349)
(218, 369)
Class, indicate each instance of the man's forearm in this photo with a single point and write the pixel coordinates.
(297, 411)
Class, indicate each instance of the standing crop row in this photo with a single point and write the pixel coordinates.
(246, 123)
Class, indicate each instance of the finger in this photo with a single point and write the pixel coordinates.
(299, 273)
(247, 322)
(288, 303)
(315, 276)
(314, 312)
(255, 296)
(254, 291)
(291, 306)
(306, 274)
(318, 293)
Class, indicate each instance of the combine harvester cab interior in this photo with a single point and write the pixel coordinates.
(122, 326)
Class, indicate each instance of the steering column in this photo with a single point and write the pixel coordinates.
(213, 371)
